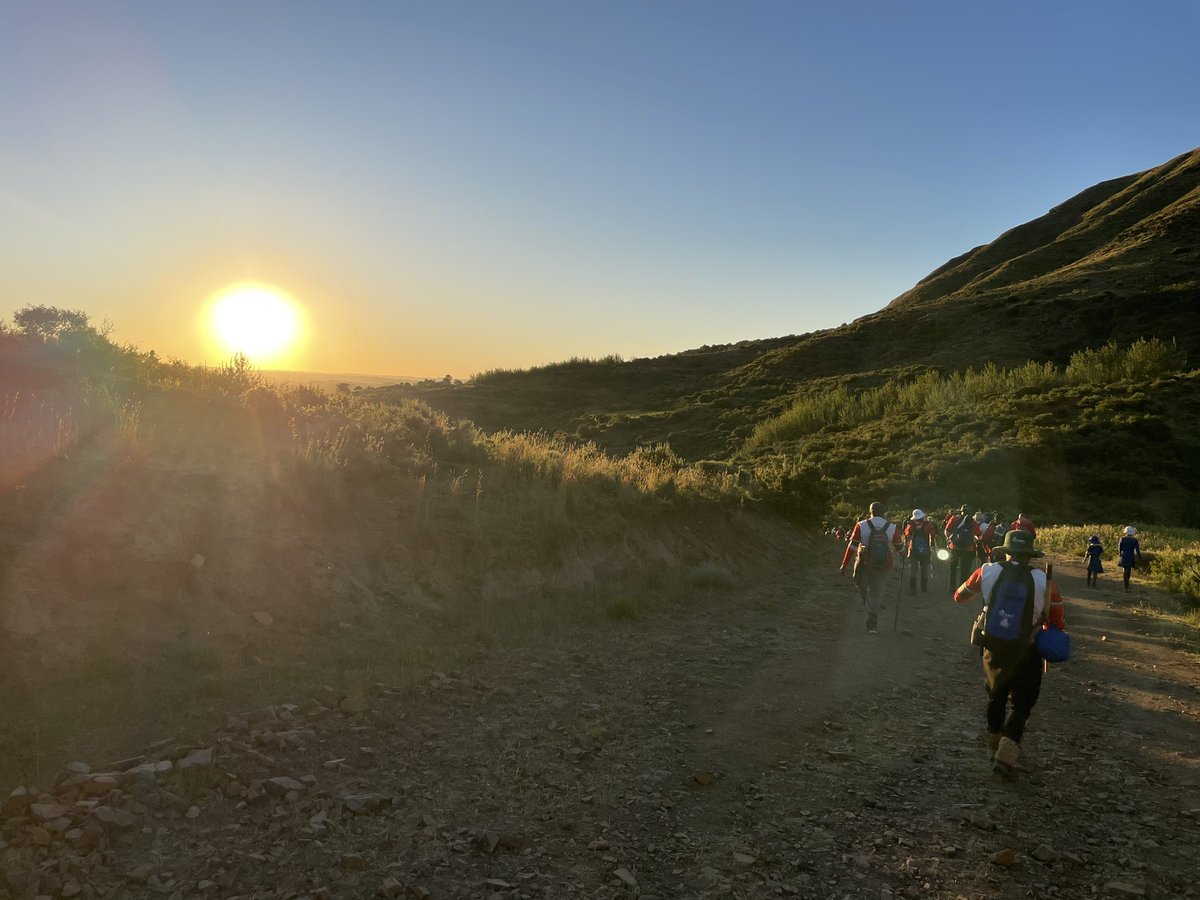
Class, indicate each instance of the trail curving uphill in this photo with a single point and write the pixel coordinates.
(754, 742)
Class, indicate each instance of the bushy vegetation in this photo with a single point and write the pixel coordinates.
(62, 381)
(1107, 435)
(934, 392)
(575, 364)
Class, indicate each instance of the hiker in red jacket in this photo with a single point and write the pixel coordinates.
(987, 534)
(874, 543)
(1023, 523)
(961, 533)
(1019, 601)
(919, 543)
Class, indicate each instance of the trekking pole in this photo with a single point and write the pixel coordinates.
(899, 593)
(1049, 575)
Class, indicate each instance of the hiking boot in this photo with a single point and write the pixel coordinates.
(993, 743)
(1005, 763)
(871, 625)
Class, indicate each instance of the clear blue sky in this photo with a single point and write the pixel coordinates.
(450, 187)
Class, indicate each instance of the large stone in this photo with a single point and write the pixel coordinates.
(625, 877)
(280, 786)
(1124, 889)
(112, 818)
(151, 769)
(1045, 853)
(16, 804)
(46, 812)
(1004, 858)
(201, 758)
(365, 803)
(99, 785)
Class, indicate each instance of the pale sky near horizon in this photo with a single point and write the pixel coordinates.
(448, 187)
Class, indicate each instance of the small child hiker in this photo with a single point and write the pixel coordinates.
(1091, 556)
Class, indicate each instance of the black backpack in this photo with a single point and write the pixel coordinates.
(963, 533)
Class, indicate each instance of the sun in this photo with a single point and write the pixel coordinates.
(259, 320)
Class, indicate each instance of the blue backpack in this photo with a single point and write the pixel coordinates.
(1008, 615)
(920, 540)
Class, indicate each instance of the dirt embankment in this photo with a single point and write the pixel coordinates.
(140, 594)
(748, 741)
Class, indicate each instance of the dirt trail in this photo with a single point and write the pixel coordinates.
(757, 743)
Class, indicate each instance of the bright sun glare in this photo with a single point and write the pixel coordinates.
(258, 320)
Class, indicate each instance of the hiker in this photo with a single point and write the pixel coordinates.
(1018, 602)
(1091, 556)
(874, 542)
(1129, 553)
(999, 529)
(1023, 523)
(983, 544)
(919, 534)
(961, 532)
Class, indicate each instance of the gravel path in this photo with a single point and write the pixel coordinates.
(753, 742)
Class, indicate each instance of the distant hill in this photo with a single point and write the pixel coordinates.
(331, 380)
(1117, 262)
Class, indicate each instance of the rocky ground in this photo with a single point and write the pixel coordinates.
(755, 742)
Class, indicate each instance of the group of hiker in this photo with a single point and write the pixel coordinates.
(1022, 625)
(970, 541)
(1129, 554)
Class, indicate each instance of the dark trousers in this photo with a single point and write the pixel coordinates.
(1127, 570)
(1019, 682)
(918, 561)
(962, 564)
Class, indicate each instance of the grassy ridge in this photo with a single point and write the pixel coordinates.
(933, 392)
(1109, 435)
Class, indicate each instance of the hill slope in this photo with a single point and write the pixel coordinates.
(1117, 262)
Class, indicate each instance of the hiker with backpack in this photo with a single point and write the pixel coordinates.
(874, 544)
(1023, 523)
(983, 544)
(1129, 553)
(919, 534)
(999, 529)
(1019, 602)
(961, 533)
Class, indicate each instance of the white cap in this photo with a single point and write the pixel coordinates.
(918, 514)
(1130, 530)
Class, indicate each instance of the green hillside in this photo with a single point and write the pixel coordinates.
(1118, 262)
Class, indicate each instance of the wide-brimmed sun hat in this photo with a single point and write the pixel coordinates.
(918, 514)
(1020, 543)
(1130, 530)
